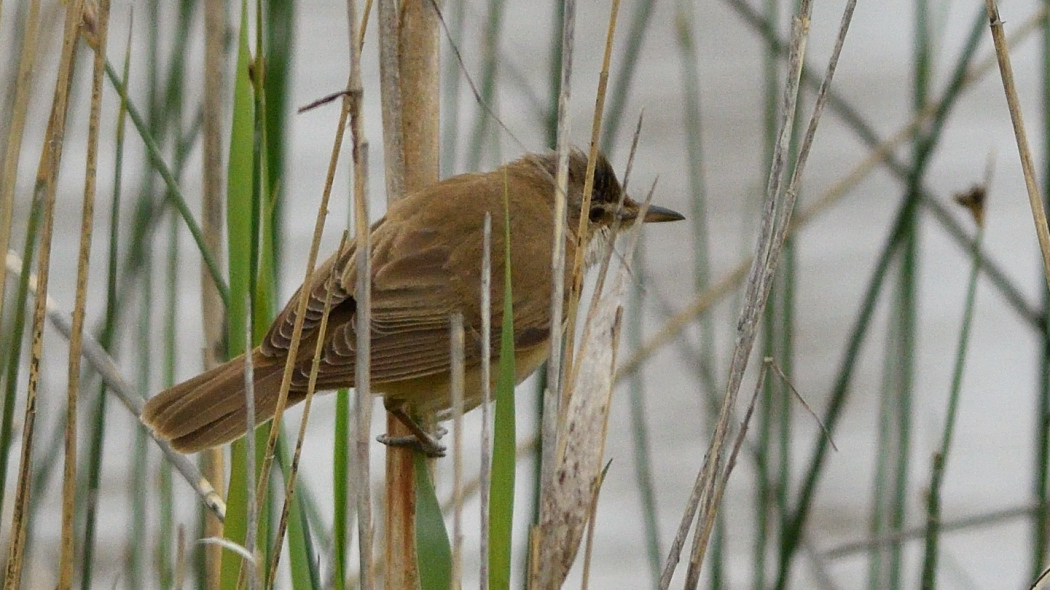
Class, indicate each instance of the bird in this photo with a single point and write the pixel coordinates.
(425, 265)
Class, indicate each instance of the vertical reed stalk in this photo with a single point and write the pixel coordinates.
(212, 307)
(411, 136)
(47, 181)
(1041, 443)
(19, 112)
(23, 86)
(69, 482)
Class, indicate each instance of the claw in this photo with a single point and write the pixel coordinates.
(429, 446)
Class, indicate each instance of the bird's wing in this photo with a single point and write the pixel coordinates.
(278, 338)
(413, 294)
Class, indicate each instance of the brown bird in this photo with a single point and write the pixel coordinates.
(426, 264)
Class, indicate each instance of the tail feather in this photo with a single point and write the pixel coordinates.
(210, 409)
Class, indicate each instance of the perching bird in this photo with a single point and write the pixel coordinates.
(426, 264)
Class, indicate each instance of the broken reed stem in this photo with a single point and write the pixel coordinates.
(552, 396)
(69, 479)
(47, 181)
(1027, 165)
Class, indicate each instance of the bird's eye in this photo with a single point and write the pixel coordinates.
(596, 214)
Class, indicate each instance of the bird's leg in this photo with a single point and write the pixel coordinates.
(421, 440)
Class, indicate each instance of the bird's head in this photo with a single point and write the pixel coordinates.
(605, 206)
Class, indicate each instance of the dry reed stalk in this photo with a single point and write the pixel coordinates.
(252, 510)
(106, 367)
(456, 386)
(47, 181)
(883, 153)
(583, 229)
(293, 470)
(297, 330)
(419, 64)
(1027, 165)
(552, 396)
(390, 93)
(485, 471)
(212, 308)
(411, 125)
(99, 32)
(363, 294)
(19, 110)
(776, 211)
(399, 517)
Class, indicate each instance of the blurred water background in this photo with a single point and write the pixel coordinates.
(991, 465)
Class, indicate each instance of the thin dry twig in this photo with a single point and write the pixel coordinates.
(591, 521)
(1027, 165)
(107, 369)
(311, 386)
(297, 331)
(780, 373)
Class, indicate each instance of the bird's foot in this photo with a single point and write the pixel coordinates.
(420, 440)
(427, 445)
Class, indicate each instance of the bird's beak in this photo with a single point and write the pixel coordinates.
(654, 214)
(657, 214)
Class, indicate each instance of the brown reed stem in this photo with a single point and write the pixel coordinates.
(69, 479)
(212, 307)
(46, 187)
(20, 108)
(363, 297)
(1002, 54)
(411, 115)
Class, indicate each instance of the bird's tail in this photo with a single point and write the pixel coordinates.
(211, 409)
